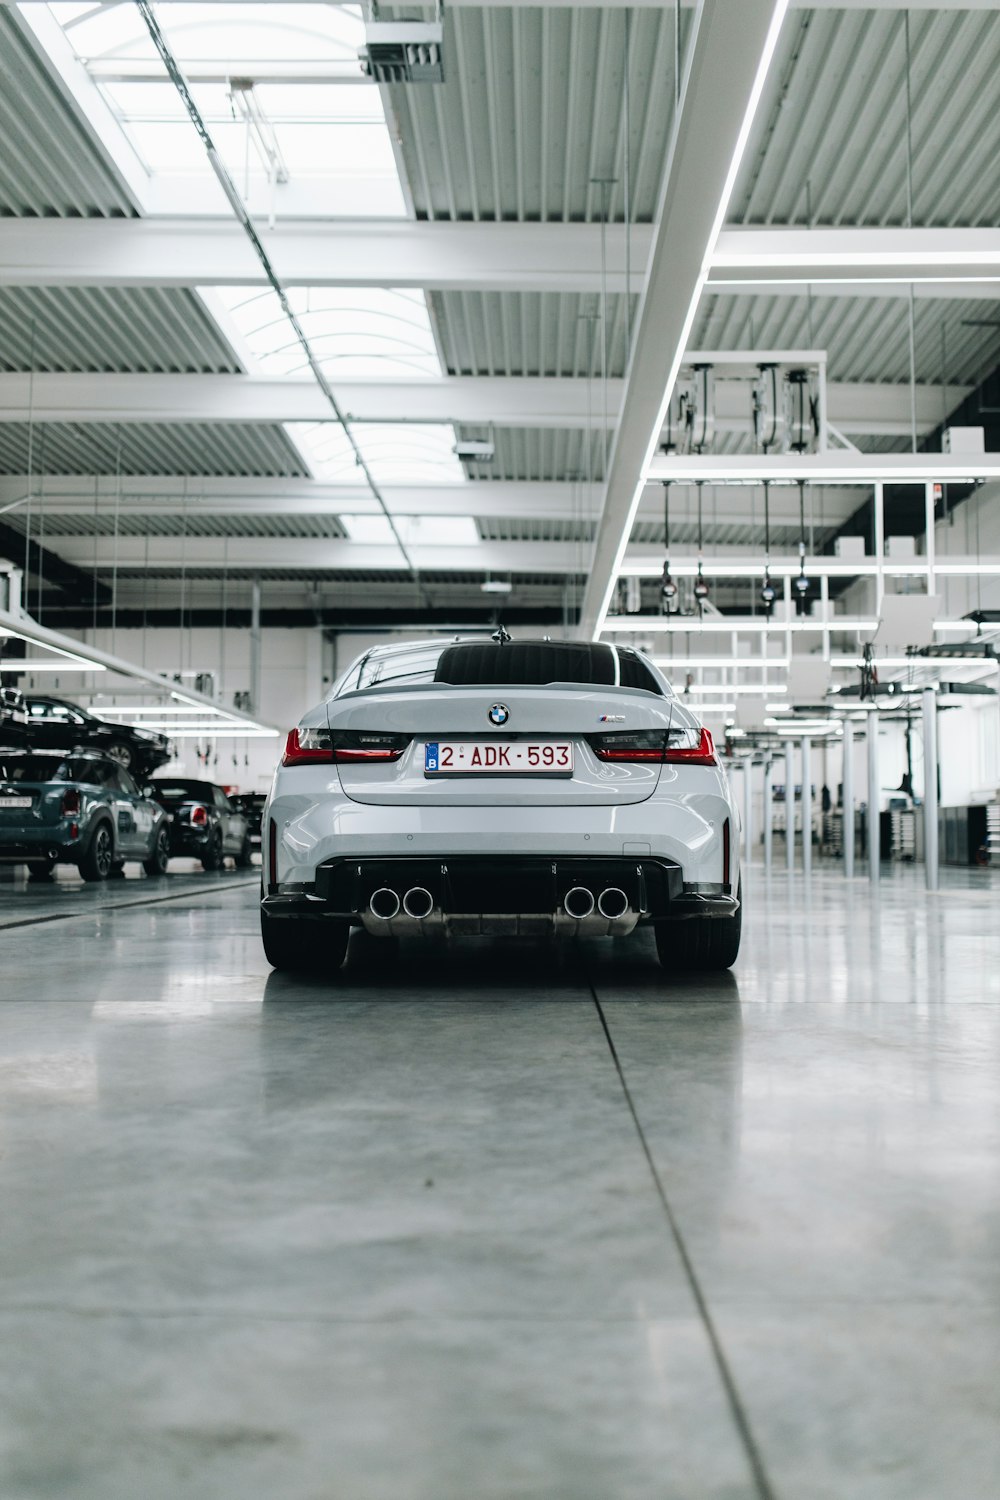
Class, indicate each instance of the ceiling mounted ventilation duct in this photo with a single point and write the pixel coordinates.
(403, 51)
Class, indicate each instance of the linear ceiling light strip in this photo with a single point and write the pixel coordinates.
(239, 209)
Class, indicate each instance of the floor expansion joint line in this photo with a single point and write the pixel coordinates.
(96, 911)
(765, 1489)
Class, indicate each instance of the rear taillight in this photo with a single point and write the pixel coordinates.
(199, 816)
(70, 802)
(692, 747)
(360, 747)
(304, 747)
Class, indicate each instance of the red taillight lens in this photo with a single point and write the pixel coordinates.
(693, 747)
(199, 816)
(702, 753)
(361, 747)
(305, 747)
(70, 802)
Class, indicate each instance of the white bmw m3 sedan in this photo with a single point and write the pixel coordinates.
(505, 788)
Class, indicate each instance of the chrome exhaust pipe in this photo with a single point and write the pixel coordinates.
(384, 904)
(418, 903)
(578, 902)
(612, 903)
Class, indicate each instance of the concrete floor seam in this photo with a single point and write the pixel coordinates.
(76, 916)
(741, 1420)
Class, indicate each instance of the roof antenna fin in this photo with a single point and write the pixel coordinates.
(501, 636)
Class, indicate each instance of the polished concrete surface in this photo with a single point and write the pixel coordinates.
(501, 1221)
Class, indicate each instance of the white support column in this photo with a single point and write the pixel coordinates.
(847, 800)
(748, 809)
(768, 815)
(879, 547)
(929, 539)
(790, 804)
(806, 806)
(874, 837)
(930, 789)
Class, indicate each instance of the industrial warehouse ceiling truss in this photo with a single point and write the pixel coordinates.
(500, 277)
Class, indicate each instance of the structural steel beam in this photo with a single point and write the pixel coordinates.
(502, 401)
(441, 255)
(728, 54)
(52, 567)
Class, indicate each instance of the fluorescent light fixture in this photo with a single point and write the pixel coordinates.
(830, 468)
(931, 258)
(218, 732)
(26, 664)
(415, 531)
(713, 708)
(759, 663)
(743, 687)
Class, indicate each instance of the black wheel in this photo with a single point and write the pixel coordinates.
(244, 860)
(97, 860)
(702, 943)
(303, 946)
(40, 869)
(121, 751)
(159, 855)
(212, 857)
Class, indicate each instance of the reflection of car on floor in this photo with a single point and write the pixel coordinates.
(501, 788)
(55, 724)
(82, 809)
(203, 822)
(252, 805)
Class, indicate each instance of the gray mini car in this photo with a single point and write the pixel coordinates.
(80, 808)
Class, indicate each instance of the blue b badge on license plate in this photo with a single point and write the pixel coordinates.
(431, 758)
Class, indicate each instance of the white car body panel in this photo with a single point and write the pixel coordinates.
(318, 814)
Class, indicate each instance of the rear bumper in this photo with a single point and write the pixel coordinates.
(41, 843)
(475, 893)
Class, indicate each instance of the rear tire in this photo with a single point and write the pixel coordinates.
(212, 857)
(159, 855)
(98, 858)
(298, 945)
(40, 869)
(704, 944)
(244, 860)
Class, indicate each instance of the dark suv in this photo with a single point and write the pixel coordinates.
(55, 724)
(81, 809)
(203, 822)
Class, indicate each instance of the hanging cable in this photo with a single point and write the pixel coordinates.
(668, 587)
(700, 586)
(768, 593)
(240, 210)
(801, 584)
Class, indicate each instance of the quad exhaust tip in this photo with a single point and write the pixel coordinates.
(578, 902)
(612, 903)
(384, 904)
(418, 903)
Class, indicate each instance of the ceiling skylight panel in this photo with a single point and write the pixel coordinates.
(358, 333)
(396, 453)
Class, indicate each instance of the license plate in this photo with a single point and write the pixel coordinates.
(498, 758)
(15, 801)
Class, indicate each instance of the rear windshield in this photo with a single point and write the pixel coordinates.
(36, 768)
(517, 663)
(183, 791)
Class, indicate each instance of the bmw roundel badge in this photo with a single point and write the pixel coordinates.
(499, 714)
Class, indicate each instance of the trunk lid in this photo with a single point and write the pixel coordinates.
(431, 714)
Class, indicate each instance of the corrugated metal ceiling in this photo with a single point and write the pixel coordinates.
(48, 166)
(103, 523)
(209, 448)
(539, 453)
(131, 329)
(530, 115)
(531, 333)
(866, 338)
(829, 144)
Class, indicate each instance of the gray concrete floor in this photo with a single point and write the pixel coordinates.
(503, 1221)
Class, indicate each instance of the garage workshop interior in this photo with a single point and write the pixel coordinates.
(500, 750)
